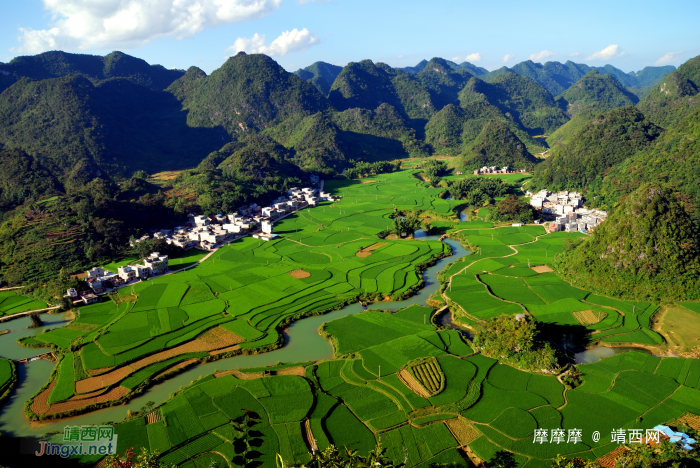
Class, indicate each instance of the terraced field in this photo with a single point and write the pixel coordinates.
(243, 295)
(504, 277)
(485, 405)
(13, 303)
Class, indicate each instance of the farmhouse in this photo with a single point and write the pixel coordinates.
(565, 208)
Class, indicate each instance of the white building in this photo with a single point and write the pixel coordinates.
(157, 263)
(126, 273)
(267, 227)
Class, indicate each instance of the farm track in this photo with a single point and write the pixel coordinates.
(449, 283)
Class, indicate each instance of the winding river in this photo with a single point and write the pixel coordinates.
(302, 343)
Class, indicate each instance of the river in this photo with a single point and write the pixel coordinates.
(302, 343)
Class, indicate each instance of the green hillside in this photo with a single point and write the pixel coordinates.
(496, 145)
(365, 85)
(676, 97)
(248, 93)
(603, 142)
(673, 159)
(646, 249)
(519, 98)
(454, 127)
(78, 130)
(320, 74)
(593, 94)
(57, 64)
(23, 179)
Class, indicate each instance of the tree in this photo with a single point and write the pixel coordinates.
(516, 340)
(332, 458)
(145, 459)
(562, 462)
(502, 459)
(513, 209)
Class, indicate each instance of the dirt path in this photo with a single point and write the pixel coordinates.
(22, 314)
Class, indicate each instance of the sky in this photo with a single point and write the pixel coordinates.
(296, 33)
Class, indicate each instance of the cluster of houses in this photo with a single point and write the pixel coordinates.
(210, 232)
(203, 232)
(566, 210)
(496, 170)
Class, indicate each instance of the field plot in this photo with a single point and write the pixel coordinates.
(12, 303)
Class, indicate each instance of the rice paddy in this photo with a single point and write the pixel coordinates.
(396, 380)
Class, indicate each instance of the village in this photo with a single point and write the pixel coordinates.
(566, 212)
(495, 170)
(203, 232)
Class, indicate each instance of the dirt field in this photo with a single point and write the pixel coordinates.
(299, 274)
(367, 251)
(87, 395)
(541, 269)
(40, 405)
(153, 417)
(211, 340)
(71, 405)
(588, 317)
(464, 432)
(692, 420)
(223, 350)
(411, 383)
(680, 327)
(297, 370)
(608, 460)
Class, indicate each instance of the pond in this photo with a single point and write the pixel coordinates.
(302, 344)
(600, 352)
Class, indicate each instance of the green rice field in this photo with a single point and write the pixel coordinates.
(240, 299)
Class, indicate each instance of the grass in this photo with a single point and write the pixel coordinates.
(65, 381)
(680, 325)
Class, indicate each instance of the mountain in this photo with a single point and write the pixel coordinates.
(364, 85)
(23, 179)
(676, 96)
(381, 133)
(520, 99)
(557, 77)
(496, 145)
(593, 94)
(78, 130)
(647, 249)
(591, 152)
(673, 159)
(249, 93)
(57, 64)
(320, 74)
(471, 68)
(451, 129)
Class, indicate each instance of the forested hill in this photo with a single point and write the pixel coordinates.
(57, 64)
(648, 249)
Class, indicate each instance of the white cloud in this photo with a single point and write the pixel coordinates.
(399, 56)
(668, 58)
(289, 41)
(613, 50)
(542, 55)
(507, 58)
(115, 24)
(475, 57)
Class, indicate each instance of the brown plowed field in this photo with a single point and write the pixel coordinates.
(92, 384)
(299, 274)
(587, 317)
(87, 395)
(412, 383)
(464, 432)
(608, 460)
(212, 339)
(223, 350)
(541, 269)
(40, 405)
(71, 405)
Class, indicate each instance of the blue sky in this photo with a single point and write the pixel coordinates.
(178, 34)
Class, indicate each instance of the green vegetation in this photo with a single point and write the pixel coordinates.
(8, 379)
(647, 248)
(497, 146)
(603, 142)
